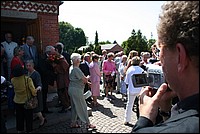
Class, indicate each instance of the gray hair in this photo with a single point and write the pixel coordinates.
(75, 56)
(30, 62)
(49, 48)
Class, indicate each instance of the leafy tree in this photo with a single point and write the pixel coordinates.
(96, 38)
(104, 42)
(80, 38)
(97, 47)
(150, 43)
(136, 42)
(115, 42)
(89, 49)
(71, 37)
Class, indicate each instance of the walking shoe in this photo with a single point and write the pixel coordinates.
(128, 124)
(108, 98)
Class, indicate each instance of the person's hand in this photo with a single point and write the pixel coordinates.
(149, 103)
(157, 63)
(141, 63)
(109, 72)
(89, 83)
(88, 77)
(165, 102)
(38, 88)
(122, 77)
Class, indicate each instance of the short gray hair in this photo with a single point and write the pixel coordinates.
(49, 48)
(75, 56)
(30, 62)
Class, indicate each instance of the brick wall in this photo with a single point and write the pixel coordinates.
(49, 29)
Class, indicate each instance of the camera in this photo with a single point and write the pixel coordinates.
(153, 77)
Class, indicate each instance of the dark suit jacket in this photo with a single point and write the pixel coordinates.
(67, 57)
(84, 68)
(46, 71)
(27, 55)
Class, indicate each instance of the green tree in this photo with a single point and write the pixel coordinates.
(97, 47)
(71, 37)
(89, 49)
(104, 42)
(79, 38)
(136, 42)
(96, 41)
(150, 43)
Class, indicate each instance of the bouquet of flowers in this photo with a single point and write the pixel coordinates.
(54, 58)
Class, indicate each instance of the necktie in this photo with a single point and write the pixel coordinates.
(31, 53)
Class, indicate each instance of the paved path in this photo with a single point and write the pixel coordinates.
(108, 118)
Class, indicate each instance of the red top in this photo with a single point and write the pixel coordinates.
(15, 60)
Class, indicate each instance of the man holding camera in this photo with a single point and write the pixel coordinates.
(178, 41)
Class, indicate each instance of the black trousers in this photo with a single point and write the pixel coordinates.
(24, 116)
(44, 95)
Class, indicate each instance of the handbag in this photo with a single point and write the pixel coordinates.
(87, 94)
(32, 101)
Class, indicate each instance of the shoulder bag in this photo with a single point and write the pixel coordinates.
(32, 101)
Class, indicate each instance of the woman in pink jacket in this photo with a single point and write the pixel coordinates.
(95, 77)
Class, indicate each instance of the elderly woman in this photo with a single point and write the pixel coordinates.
(36, 78)
(23, 87)
(95, 77)
(122, 65)
(109, 71)
(17, 59)
(18, 52)
(76, 90)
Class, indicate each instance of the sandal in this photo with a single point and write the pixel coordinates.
(75, 126)
(91, 126)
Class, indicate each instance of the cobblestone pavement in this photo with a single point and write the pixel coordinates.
(108, 117)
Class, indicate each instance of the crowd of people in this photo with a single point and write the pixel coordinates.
(69, 72)
(176, 50)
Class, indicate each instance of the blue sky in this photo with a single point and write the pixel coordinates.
(113, 20)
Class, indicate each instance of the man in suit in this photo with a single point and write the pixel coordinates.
(84, 66)
(48, 76)
(30, 51)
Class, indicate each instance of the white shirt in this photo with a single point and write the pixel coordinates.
(128, 79)
(121, 68)
(9, 48)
